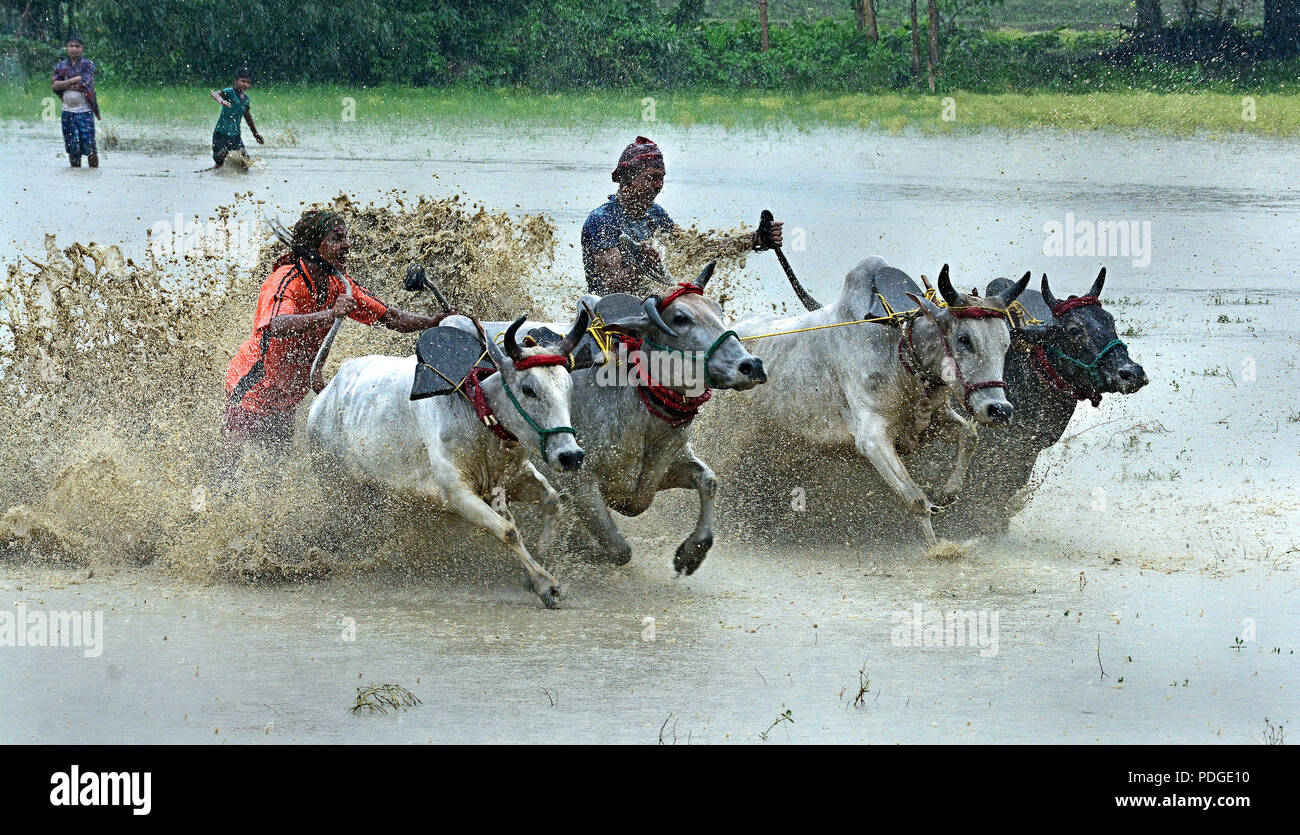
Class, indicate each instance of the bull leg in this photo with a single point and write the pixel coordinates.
(589, 506)
(967, 438)
(463, 500)
(690, 473)
(532, 486)
(875, 444)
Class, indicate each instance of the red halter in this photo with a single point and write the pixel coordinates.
(684, 288)
(669, 405)
(932, 382)
(1070, 304)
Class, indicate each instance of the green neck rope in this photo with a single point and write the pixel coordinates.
(543, 434)
(708, 355)
(1090, 368)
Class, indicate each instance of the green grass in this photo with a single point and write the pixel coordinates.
(278, 107)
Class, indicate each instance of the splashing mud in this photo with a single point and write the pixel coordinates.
(114, 371)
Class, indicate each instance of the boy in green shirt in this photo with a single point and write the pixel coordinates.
(235, 103)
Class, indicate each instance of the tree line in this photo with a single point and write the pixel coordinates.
(565, 44)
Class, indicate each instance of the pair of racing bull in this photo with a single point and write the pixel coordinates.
(851, 374)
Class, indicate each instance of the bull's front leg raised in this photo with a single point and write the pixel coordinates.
(967, 439)
(532, 486)
(693, 473)
(466, 502)
(874, 442)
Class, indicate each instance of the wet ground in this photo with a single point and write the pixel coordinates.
(1162, 533)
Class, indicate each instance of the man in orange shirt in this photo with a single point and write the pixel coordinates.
(270, 374)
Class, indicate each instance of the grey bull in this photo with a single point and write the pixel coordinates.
(636, 431)
(876, 387)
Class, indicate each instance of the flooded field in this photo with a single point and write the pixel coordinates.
(1146, 594)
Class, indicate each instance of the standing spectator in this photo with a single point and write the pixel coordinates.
(235, 103)
(74, 81)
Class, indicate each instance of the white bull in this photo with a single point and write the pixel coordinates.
(876, 387)
(633, 454)
(364, 426)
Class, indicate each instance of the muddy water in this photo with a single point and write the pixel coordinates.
(1158, 530)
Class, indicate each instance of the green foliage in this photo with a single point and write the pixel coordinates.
(552, 45)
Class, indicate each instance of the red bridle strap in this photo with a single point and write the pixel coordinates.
(1071, 304)
(967, 388)
(540, 359)
(684, 288)
(477, 399)
(669, 405)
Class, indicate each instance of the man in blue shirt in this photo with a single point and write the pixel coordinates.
(631, 211)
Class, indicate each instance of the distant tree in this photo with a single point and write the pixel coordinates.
(1282, 28)
(687, 13)
(1149, 16)
(762, 23)
(916, 42)
(934, 41)
(865, 12)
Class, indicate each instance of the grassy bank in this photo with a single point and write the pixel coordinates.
(278, 107)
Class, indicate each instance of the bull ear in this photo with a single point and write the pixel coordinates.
(575, 333)
(705, 274)
(1095, 292)
(1013, 292)
(946, 291)
(929, 309)
(1048, 298)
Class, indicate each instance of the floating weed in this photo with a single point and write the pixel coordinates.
(1273, 734)
(788, 716)
(380, 698)
(1220, 301)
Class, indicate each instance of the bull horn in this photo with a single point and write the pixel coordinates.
(1013, 292)
(571, 340)
(1097, 285)
(705, 274)
(512, 347)
(1048, 298)
(945, 288)
(651, 309)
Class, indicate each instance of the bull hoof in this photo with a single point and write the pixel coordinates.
(551, 599)
(944, 500)
(622, 556)
(690, 554)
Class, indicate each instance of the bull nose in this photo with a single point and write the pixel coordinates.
(999, 412)
(1132, 378)
(571, 460)
(753, 370)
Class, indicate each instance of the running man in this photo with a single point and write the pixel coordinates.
(633, 212)
(235, 104)
(269, 375)
(74, 81)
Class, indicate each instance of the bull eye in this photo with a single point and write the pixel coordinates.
(529, 391)
(964, 342)
(681, 319)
